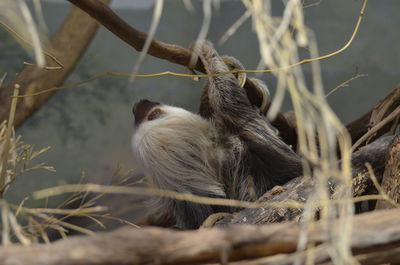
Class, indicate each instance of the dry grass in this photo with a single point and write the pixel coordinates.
(318, 127)
(16, 159)
(17, 14)
(19, 223)
(152, 31)
(28, 225)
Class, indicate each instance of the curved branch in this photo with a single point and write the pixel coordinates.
(104, 15)
(173, 53)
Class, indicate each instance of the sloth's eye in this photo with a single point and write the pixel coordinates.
(154, 114)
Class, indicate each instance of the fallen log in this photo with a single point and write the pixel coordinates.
(376, 235)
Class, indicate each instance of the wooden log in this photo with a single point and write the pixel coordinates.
(391, 176)
(373, 234)
(382, 109)
(320, 255)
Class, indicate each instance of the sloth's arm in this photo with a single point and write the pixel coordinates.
(268, 156)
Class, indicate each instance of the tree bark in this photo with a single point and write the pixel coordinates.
(68, 45)
(375, 235)
(391, 176)
(382, 109)
(104, 15)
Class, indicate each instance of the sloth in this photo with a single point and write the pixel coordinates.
(228, 150)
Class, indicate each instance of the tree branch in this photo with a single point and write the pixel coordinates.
(104, 15)
(373, 233)
(382, 109)
(173, 53)
(67, 46)
(391, 176)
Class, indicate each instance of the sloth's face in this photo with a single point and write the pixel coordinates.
(153, 114)
(166, 129)
(146, 110)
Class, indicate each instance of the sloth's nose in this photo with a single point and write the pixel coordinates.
(141, 109)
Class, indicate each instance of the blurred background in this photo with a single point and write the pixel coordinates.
(89, 127)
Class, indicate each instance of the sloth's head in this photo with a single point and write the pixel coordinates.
(145, 110)
(170, 141)
(155, 118)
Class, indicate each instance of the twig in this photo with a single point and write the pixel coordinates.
(157, 192)
(385, 121)
(360, 126)
(21, 39)
(345, 83)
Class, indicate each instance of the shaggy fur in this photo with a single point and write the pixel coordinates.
(228, 151)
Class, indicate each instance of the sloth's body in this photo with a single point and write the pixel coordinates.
(228, 151)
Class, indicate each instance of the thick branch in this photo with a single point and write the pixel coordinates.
(391, 176)
(388, 254)
(372, 233)
(173, 53)
(67, 46)
(384, 107)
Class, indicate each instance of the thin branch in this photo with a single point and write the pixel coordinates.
(345, 83)
(376, 128)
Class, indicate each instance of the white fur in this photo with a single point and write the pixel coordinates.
(177, 153)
